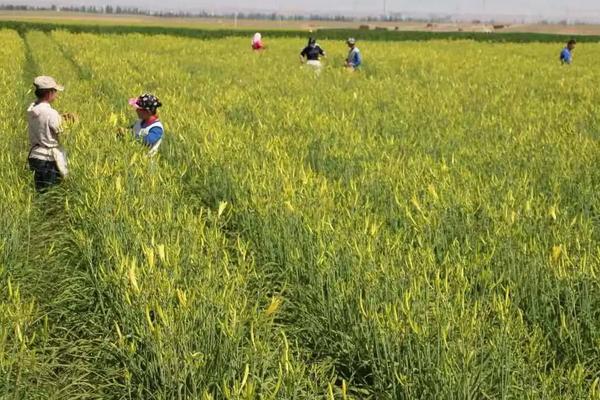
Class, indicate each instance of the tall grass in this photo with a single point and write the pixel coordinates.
(426, 228)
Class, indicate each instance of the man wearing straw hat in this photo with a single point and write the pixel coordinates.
(46, 158)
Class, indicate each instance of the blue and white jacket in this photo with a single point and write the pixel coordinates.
(150, 135)
(354, 58)
(566, 57)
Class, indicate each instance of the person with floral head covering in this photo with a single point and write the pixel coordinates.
(148, 129)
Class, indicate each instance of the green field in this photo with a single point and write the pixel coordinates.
(426, 228)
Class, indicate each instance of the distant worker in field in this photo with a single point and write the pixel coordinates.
(257, 42)
(312, 54)
(46, 158)
(148, 129)
(566, 55)
(354, 60)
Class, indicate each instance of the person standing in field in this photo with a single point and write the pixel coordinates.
(566, 55)
(46, 158)
(257, 42)
(148, 129)
(354, 60)
(312, 54)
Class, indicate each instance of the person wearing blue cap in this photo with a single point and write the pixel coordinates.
(354, 59)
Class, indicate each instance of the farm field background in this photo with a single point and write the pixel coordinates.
(79, 18)
(426, 228)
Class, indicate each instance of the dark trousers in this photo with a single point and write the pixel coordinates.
(45, 174)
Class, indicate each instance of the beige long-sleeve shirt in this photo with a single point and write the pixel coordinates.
(44, 124)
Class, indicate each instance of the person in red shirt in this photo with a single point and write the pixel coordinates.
(257, 43)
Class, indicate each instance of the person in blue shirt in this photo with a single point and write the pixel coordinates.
(566, 55)
(354, 59)
(148, 129)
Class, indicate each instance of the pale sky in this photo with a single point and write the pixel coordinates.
(540, 8)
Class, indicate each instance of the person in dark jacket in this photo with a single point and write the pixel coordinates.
(312, 53)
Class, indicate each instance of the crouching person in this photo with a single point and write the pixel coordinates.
(46, 158)
(148, 129)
